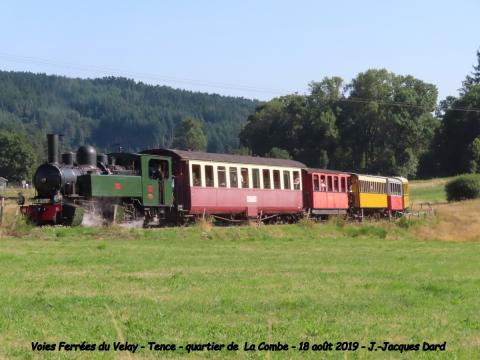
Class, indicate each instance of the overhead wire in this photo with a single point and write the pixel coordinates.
(211, 84)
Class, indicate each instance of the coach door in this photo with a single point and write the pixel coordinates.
(156, 181)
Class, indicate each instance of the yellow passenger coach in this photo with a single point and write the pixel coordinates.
(369, 191)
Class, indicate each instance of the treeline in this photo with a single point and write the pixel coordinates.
(379, 123)
(112, 112)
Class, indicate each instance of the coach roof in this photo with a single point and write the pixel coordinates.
(226, 158)
(325, 171)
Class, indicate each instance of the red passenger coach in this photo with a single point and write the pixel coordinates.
(326, 191)
(394, 194)
(235, 186)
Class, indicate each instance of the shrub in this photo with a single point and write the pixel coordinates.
(463, 187)
(306, 222)
(368, 231)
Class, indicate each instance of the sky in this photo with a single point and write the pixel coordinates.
(255, 49)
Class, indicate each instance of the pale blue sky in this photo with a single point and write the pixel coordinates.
(256, 49)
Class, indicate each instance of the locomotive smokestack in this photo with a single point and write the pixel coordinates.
(52, 141)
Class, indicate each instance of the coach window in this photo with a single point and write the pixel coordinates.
(233, 177)
(244, 177)
(222, 176)
(344, 185)
(209, 175)
(276, 179)
(316, 184)
(256, 178)
(266, 178)
(330, 185)
(323, 183)
(196, 175)
(335, 183)
(296, 180)
(286, 180)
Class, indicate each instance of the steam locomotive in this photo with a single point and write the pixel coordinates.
(100, 184)
(168, 187)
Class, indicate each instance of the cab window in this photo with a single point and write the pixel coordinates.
(158, 169)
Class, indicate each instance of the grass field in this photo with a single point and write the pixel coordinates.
(398, 282)
(428, 190)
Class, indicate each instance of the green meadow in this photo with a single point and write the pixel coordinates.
(292, 283)
(335, 281)
(432, 191)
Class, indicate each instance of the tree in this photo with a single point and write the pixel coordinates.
(472, 79)
(304, 126)
(383, 126)
(17, 158)
(454, 146)
(278, 153)
(189, 136)
(475, 156)
(387, 123)
(110, 111)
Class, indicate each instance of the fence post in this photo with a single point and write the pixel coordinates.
(115, 209)
(2, 208)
